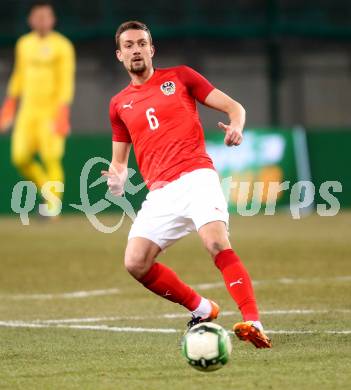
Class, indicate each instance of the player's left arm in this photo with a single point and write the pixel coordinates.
(65, 80)
(234, 130)
(204, 92)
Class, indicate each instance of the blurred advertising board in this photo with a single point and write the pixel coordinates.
(265, 158)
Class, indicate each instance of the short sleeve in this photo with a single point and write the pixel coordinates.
(120, 132)
(198, 86)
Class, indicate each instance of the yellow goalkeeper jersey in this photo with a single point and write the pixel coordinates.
(44, 70)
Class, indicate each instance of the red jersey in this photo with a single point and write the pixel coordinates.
(160, 118)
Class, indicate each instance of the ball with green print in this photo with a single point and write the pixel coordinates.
(207, 346)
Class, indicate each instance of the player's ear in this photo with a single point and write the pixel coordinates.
(152, 50)
(119, 55)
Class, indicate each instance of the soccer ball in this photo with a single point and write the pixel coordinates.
(207, 346)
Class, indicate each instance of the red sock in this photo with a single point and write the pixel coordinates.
(238, 283)
(164, 282)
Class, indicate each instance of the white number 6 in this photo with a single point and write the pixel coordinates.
(152, 119)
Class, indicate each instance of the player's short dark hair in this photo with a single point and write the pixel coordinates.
(40, 3)
(131, 25)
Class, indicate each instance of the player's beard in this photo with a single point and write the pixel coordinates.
(138, 68)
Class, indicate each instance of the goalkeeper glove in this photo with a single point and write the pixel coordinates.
(62, 125)
(7, 113)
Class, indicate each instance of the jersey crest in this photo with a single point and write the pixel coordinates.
(168, 88)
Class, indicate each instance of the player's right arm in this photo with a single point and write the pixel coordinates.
(14, 90)
(121, 145)
(120, 153)
(118, 170)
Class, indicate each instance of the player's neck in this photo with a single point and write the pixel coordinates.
(43, 34)
(139, 79)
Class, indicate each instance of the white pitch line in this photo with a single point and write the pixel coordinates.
(67, 295)
(200, 287)
(92, 319)
(182, 315)
(307, 331)
(18, 324)
(210, 286)
(207, 286)
(128, 329)
(121, 329)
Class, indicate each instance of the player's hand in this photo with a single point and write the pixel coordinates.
(233, 136)
(116, 178)
(7, 113)
(62, 125)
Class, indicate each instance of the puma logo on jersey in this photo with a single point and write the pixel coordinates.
(128, 105)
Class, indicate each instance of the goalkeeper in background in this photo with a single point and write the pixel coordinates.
(38, 100)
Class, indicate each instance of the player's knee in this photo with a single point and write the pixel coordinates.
(214, 246)
(136, 264)
(19, 160)
(50, 160)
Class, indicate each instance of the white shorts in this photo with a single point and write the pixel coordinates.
(182, 206)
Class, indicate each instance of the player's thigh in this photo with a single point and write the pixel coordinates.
(139, 256)
(214, 236)
(159, 222)
(24, 142)
(206, 199)
(209, 211)
(51, 145)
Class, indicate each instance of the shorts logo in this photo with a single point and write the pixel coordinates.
(168, 88)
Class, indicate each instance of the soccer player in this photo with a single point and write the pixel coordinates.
(41, 85)
(157, 113)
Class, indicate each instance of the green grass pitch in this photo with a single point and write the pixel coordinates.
(72, 318)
